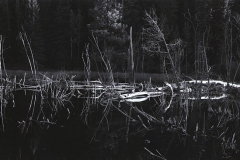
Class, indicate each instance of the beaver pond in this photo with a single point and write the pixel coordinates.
(47, 118)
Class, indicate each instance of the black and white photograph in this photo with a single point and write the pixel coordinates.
(119, 79)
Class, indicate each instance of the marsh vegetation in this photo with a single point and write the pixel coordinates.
(57, 116)
(53, 117)
(142, 87)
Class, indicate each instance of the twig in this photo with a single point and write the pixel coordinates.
(128, 123)
(171, 96)
(143, 123)
(161, 157)
(149, 117)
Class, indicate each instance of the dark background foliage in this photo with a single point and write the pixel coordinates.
(60, 29)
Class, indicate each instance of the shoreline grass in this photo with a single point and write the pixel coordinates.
(79, 75)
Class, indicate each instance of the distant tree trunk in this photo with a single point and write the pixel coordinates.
(1, 56)
(71, 46)
(78, 50)
(131, 62)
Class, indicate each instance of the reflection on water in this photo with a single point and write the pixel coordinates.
(91, 120)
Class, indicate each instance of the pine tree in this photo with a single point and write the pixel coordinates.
(33, 29)
(110, 30)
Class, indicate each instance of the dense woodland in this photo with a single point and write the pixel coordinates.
(201, 37)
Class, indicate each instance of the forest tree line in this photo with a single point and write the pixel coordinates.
(201, 36)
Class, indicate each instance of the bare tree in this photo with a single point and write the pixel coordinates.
(155, 43)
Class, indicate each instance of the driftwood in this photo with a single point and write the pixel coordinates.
(196, 89)
(124, 92)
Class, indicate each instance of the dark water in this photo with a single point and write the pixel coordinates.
(38, 125)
